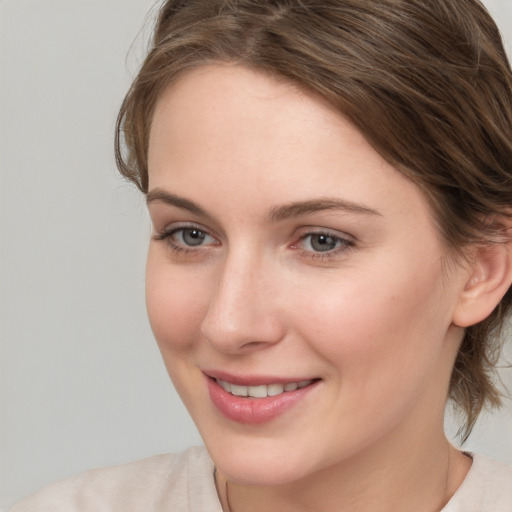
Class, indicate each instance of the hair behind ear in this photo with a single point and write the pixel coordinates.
(486, 301)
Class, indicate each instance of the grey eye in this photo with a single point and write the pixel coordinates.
(192, 237)
(323, 243)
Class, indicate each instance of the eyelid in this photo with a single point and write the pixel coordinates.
(172, 227)
(347, 243)
(314, 230)
(166, 235)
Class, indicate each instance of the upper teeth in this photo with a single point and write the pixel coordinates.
(263, 390)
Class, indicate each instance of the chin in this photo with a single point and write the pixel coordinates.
(258, 471)
(263, 461)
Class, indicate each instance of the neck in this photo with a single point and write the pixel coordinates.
(421, 476)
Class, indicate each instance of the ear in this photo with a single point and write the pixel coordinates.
(489, 278)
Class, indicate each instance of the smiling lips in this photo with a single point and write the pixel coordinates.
(264, 390)
(256, 403)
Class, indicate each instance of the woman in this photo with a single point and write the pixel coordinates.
(329, 185)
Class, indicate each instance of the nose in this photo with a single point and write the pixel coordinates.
(244, 313)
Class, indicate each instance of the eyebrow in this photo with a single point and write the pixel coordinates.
(316, 205)
(159, 195)
(276, 214)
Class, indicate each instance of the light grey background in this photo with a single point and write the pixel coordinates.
(81, 382)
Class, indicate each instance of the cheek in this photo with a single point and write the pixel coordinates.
(382, 344)
(377, 326)
(176, 303)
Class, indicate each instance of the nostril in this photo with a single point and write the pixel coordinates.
(253, 345)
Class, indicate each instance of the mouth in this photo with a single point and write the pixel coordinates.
(262, 390)
(256, 400)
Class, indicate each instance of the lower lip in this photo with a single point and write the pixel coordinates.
(253, 411)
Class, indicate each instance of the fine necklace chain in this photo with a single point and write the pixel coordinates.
(227, 497)
(230, 509)
(226, 506)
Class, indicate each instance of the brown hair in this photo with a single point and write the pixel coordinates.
(427, 82)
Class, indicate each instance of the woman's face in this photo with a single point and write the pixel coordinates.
(291, 263)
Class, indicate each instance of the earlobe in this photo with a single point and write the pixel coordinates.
(490, 276)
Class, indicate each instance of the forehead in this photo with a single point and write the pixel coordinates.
(232, 101)
(219, 105)
(224, 131)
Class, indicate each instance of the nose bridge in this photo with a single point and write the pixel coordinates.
(242, 311)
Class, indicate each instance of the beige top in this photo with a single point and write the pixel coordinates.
(185, 483)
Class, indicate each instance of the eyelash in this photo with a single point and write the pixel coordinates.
(342, 245)
(167, 235)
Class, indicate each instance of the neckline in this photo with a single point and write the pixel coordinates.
(220, 483)
(461, 490)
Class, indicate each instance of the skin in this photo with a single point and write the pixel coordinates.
(372, 318)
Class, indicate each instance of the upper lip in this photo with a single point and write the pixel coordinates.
(253, 380)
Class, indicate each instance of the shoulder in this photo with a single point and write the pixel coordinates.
(179, 482)
(487, 488)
